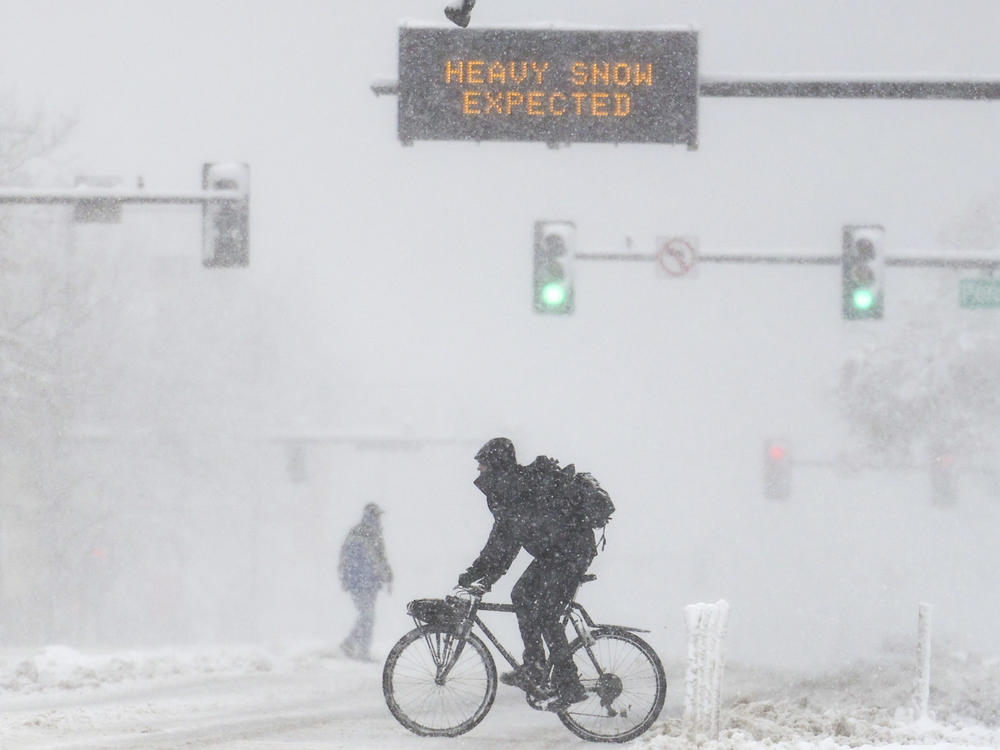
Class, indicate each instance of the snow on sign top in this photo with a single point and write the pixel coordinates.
(554, 85)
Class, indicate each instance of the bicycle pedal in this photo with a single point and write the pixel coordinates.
(554, 704)
(539, 698)
(540, 694)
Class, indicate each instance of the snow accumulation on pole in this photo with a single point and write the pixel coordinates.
(720, 624)
(692, 616)
(921, 695)
(707, 625)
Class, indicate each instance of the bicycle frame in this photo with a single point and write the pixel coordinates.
(575, 615)
(475, 620)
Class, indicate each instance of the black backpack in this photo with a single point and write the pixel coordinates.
(591, 501)
(577, 496)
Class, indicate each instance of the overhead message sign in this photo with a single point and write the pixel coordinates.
(549, 85)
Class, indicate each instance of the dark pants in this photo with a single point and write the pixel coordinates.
(540, 597)
(359, 642)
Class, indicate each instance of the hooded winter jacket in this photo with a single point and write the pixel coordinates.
(524, 518)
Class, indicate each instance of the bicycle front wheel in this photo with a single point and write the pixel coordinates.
(626, 687)
(425, 696)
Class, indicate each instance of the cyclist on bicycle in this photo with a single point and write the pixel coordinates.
(524, 517)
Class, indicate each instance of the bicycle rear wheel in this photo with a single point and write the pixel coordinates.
(626, 684)
(429, 703)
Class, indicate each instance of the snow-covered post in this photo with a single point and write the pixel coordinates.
(720, 627)
(693, 616)
(706, 624)
(922, 694)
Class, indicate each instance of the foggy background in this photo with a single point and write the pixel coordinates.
(182, 449)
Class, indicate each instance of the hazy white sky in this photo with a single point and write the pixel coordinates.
(399, 277)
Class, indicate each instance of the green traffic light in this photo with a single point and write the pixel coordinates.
(554, 294)
(863, 299)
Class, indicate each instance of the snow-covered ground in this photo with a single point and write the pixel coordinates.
(304, 696)
(864, 704)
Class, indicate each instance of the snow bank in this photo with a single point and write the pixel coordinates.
(866, 704)
(62, 668)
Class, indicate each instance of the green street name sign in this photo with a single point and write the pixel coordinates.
(976, 293)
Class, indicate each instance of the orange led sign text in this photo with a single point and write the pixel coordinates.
(548, 85)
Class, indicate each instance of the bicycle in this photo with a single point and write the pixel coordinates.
(440, 679)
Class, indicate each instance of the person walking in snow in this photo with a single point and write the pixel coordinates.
(523, 516)
(364, 570)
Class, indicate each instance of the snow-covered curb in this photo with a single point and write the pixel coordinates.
(59, 667)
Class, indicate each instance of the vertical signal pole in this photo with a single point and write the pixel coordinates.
(921, 695)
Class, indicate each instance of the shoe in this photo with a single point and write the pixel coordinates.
(522, 677)
(352, 652)
(567, 695)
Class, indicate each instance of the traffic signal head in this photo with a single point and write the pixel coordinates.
(553, 278)
(944, 482)
(226, 222)
(863, 271)
(777, 470)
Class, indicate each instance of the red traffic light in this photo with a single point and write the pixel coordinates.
(777, 470)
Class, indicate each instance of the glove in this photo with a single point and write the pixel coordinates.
(467, 579)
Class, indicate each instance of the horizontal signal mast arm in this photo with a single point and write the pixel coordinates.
(71, 196)
(858, 89)
(959, 260)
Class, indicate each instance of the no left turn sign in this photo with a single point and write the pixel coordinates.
(676, 255)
